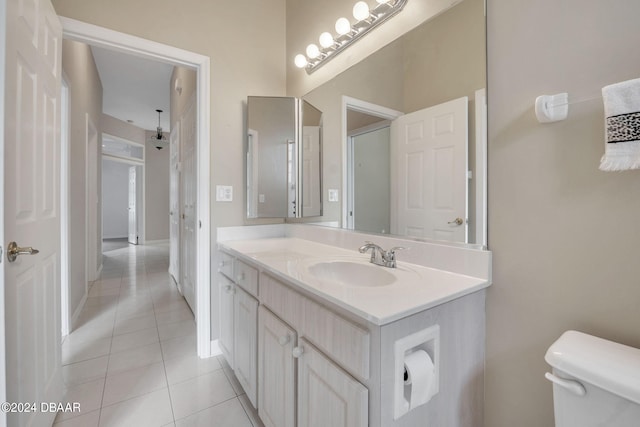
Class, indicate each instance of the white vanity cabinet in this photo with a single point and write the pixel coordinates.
(306, 361)
(328, 396)
(245, 333)
(239, 321)
(227, 290)
(276, 370)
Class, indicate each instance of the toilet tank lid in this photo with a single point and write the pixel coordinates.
(611, 366)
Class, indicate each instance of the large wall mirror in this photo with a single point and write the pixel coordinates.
(405, 134)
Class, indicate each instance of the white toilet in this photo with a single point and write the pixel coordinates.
(595, 382)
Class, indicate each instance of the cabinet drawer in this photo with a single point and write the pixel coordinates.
(246, 277)
(225, 266)
(346, 342)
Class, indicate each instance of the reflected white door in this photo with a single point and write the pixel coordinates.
(174, 202)
(429, 172)
(133, 211)
(311, 203)
(189, 194)
(31, 207)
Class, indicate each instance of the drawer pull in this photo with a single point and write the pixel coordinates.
(240, 277)
(223, 264)
(284, 340)
(229, 289)
(297, 352)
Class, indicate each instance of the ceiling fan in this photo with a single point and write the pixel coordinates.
(158, 139)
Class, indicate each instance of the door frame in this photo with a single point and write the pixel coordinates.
(354, 104)
(350, 160)
(148, 49)
(65, 104)
(3, 377)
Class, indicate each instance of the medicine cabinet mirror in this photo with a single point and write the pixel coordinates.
(283, 158)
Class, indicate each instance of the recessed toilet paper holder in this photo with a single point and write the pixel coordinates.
(427, 341)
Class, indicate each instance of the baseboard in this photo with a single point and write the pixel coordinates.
(115, 237)
(156, 242)
(76, 313)
(215, 348)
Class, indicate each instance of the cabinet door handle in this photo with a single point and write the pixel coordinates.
(240, 277)
(284, 340)
(297, 352)
(223, 263)
(229, 289)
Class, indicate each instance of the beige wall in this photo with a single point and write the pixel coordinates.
(156, 195)
(564, 235)
(85, 92)
(245, 41)
(124, 130)
(187, 80)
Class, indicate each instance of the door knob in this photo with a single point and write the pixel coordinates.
(13, 250)
(457, 221)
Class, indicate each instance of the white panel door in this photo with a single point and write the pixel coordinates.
(276, 371)
(31, 207)
(189, 209)
(174, 202)
(227, 289)
(429, 172)
(328, 396)
(245, 334)
(311, 193)
(133, 211)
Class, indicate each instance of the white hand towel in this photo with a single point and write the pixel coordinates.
(622, 126)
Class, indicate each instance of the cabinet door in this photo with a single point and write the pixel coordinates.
(328, 396)
(226, 318)
(245, 324)
(276, 381)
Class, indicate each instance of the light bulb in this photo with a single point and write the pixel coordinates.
(300, 61)
(343, 26)
(326, 40)
(361, 11)
(313, 51)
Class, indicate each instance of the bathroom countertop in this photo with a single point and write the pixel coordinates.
(416, 288)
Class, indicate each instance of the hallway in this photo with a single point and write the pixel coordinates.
(131, 361)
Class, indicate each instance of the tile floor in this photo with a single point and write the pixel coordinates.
(131, 361)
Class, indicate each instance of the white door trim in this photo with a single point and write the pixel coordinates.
(64, 207)
(3, 376)
(349, 103)
(113, 40)
(481, 167)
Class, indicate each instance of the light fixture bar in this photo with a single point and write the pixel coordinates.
(381, 13)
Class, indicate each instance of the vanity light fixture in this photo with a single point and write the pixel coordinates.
(366, 20)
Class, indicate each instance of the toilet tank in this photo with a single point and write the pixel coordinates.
(596, 383)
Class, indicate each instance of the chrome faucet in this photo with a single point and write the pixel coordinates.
(379, 256)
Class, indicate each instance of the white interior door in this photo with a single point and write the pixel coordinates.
(133, 211)
(189, 208)
(31, 207)
(429, 172)
(311, 171)
(174, 202)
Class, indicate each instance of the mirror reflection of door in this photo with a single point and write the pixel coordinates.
(409, 176)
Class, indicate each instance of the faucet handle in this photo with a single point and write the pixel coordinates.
(396, 248)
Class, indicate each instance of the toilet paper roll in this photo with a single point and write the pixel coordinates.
(420, 377)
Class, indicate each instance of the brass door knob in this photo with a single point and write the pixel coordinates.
(13, 250)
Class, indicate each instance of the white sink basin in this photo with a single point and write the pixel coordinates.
(352, 273)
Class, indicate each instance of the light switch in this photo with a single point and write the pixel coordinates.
(333, 195)
(261, 198)
(224, 193)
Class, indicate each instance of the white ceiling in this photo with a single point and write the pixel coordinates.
(134, 88)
